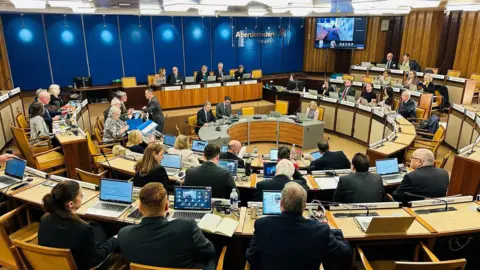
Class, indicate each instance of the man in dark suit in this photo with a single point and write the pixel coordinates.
(154, 109)
(220, 72)
(49, 116)
(239, 73)
(407, 107)
(204, 116)
(175, 77)
(389, 62)
(347, 90)
(329, 160)
(158, 242)
(411, 63)
(360, 186)
(290, 241)
(224, 108)
(234, 148)
(202, 75)
(209, 174)
(425, 180)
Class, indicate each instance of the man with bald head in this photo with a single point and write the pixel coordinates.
(389, 62)
(48, 116)
(425, 180)
(407, 107)
(234, 148)
(175, 77)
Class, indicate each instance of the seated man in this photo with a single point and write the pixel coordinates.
(49, 116)
(284, 153)
(360, 186)
(209, 174)
(220, 72)
(347, 90)
(224, 108)
(329, 160)
(158, 242)
(425, 180)
(175, 77)
(290, 241)
(234, 147)
(204, 116)
(407, 107)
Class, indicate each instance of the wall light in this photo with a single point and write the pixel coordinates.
(65, 19)
(104, 23)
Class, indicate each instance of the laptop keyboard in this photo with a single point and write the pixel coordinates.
(110, 207)
(7, 180)
(393, 176)
(188, 215)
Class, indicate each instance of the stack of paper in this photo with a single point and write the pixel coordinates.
(327, 182)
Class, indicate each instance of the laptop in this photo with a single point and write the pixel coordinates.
(247, 75)
(404, 68)
(199, 146)
(381, 65)
(169, 140)
(313, 92)
(171, 163)
(160, 82)
(388, 169)
(275, 114)
(384, 224)
(351, 99)
(412, 87)
(224, 148)
(14, 172)
(115, 198)
(271, 202)
(302, 117)
(191, 202)
(269, 170)
(189, 79)
(211, 78)
(316, 155)
(229, 165)
(273, 154)
(334, 95)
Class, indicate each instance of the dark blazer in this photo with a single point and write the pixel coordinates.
(330, 161)
(223, 110)
(171, 79)
(159, 174)
(137, 149)
(326, 92)
(276, 183)
(219, 75)
(56, 101)
(48, 115)
(239, 75)
(232, 156)
(430, 88)
(210, 175)
(200, 77)
(350, 92)
(413, 65)
(393, 63)
(155, 113)
(158, 242)
(202, 118)
(290, 241)
(425, 181)
(361, 187)
(408, 109)
(56, 232)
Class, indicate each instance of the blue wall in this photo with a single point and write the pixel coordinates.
(54, 48)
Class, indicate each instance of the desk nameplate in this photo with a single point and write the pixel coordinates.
(249, 82)
(191, 86)
(210, 85)
(231, 83)
(14, 91)
(171, 88)
(396, 71)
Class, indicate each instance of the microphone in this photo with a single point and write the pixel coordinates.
(427, 211)
(342, 215)
(108, 162)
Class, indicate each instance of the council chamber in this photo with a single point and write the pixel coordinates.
(205, 134)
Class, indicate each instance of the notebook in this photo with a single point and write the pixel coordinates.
(216, 224)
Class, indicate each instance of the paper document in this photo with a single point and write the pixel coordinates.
(327, 182)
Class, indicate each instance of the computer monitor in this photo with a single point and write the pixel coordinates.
(171, 161)
(192, 198)
(387, 166)
(273, 154)
(316, 155)
(269, 169)
(224, 148)
(169, 140)
(82, 81)
(211, 78)
(271, 202)
(117, 191)
(199, 146)
(15, 168)
(229, 164)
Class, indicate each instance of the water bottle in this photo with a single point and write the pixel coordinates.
(234, 199)
(255, 150)
(293, 153)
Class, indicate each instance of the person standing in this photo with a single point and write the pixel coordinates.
(224, 108)
(154, 109)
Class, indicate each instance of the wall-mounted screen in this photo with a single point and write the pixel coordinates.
(341, 33)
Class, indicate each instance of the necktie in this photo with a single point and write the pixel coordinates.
(388, 65)
(345, 92)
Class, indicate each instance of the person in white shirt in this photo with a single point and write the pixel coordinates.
(181, 148)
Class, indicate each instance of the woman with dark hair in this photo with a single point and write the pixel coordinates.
(327, 88)
(368, 95)
(60, 227)
(38, 127)
(388, 96)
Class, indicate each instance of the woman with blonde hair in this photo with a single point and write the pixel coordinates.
(148, 169)
(427, 85)
(161, 76)
(181, 148)
(55, 98)
(312, 110)
(134, 143)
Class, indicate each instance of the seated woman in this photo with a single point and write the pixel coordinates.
(115, 128)
(60, 227)
(427, 84)
(388, 96)
(239, 73)
(135, 140)
(181, 148)
(368, 94)
(327, 88)
(55, 98)
(161, 77)
(38, 127)
(385, 79)
(312, 110)
(412, 80)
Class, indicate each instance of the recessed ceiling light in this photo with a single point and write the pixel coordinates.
(124, 4)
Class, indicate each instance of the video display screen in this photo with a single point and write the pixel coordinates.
(341, 33)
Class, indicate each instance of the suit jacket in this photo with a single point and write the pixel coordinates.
(350, 92)
(232, 156)
(171, 79)
(290, 241)
(430, 88)
(276, 183)
(199, 77)
(56, 101)
(326, 91)
(155, 112)
(361, 187)
(413, 65)
(393, 63)
(57, 232)
(159, 242)
(330, 161)
(218, 75)
(407, 109)
(202, 118)
(210, 175)
(425, 181)
(239, 75)
(48, 115)
(223, 110)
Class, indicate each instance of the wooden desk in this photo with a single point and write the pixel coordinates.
(36, 181)
(120, 164)
(460, 91)
(465, 178)
(248, 225)
(75, 151)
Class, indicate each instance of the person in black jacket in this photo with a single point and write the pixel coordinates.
(428, 85)
(234, 148)
(158, 242)
(329, 160)
(202, 76)
(283, 175)
(284, 153)
(55, 98)
(389, 62)
(407, 107)
(425, 180)
(135, 140)
(220, 72)
(60, 227)
(154, 109)
(204, 116)
(326, 89)
(290, 241)
(209, 174)
(49, 115)
(239, 73)
(360, 186)
(175, 77)
(412, 64)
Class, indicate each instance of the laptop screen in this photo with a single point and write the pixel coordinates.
(316, 155)
(116, 191)
(169, 140)
(171, 161)
(271, 202)
(199, 146)
(269, 169)
(192, 198)
(16, 168)
(273, 154)
(224, 149)
(387, 166)
(230, 165)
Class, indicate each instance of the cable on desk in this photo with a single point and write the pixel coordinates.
(460, 247)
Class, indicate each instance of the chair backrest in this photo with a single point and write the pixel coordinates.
(232, 71)
(476, 78)
(97, 134)
(150, 79)
(445, 160)
(100, 122)
(192, 122)
(129, 81)
(8, 255)
(89, 177)
(256, 73)
(91, 146)
(453, 73)
(211, 73)
(347, 77)
(419, 112)
(443, 265)
(46, 258)
(21, 121)
(439, 134)
(367, 80)
(21, 140)
(195, 74)
(321, 112)
(214, 112)
(248, 111)
(281, 106)
(136, 266)
(435, 70)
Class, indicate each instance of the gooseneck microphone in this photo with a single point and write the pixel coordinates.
(108, 162)
(429, 198)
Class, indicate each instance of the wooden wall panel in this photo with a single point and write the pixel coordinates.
(468, 51)
(316, 60)
(5, 75)
(375, 43)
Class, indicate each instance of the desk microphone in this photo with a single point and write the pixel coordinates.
(108, 162)
(429, 198)
(349, 214)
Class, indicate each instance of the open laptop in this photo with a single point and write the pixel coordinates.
(269, 170)
(191, 202)
(381, 65)
(224, 148)
(351, 99)
(199, 146)
(171, 163)
(115, 198)
(333, 95)
(14, 172)
(388, 169)
(230, 165)
(316, 155)
(271, 202)
(211, 78)
(384, 224)
(302, 117)
(247, 75)
(273, 154)
(190, 79)
(275, 114)
(404, 68)
(313, 92)
(169, 140)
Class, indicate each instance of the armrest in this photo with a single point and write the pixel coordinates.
(427, 251)
(425, 133)
(363, 258)
(31, 237)
(42, 142)
(389, 198)
(46, 152)
(106, 145)
(221, 258)
(247, 266)
(12, 213)
(426, 140)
